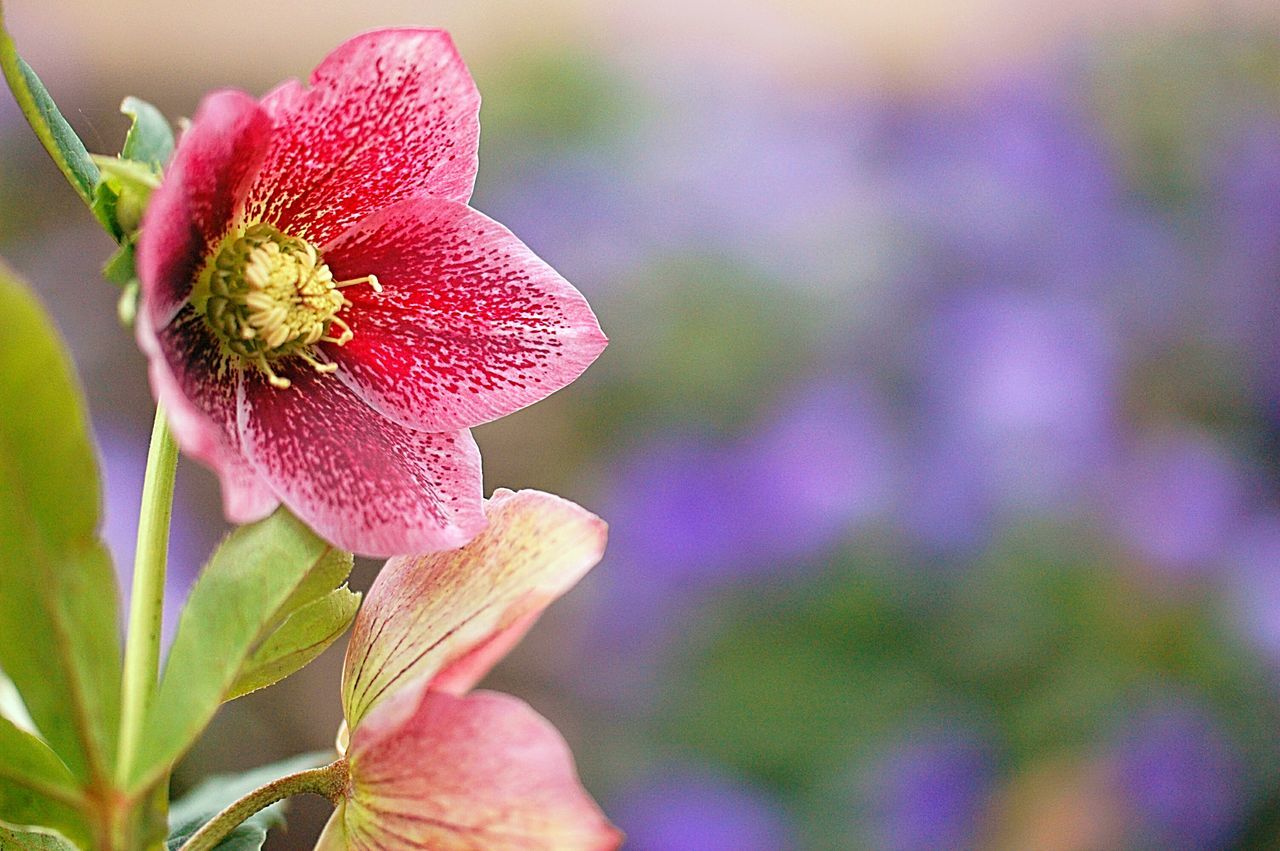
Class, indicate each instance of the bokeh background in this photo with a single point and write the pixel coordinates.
(939, 429)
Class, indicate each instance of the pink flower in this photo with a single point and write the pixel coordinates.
(430, 765)
(324, 315)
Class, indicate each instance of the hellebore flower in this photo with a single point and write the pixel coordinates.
(431, 766)
(324, 315)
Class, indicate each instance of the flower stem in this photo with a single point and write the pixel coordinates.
(329, 781)
(146, 602)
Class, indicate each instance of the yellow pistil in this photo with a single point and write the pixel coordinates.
(267, 296)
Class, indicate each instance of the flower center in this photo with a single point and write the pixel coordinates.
(268, 295)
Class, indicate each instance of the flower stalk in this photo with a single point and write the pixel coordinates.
(329, 781)
(146, 600)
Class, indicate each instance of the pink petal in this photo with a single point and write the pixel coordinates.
(359, 480)
(198, 198)
(196, 386)
(471, 325)
(427, 613)
(462, 674)
(389, 114)
(483, 771)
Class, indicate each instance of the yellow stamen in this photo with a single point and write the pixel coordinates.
(275, 380)
(317, 365)
(346, 335)
(371, 280)
(268, 295)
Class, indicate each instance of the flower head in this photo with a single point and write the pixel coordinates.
(430, 765)
(324, 315)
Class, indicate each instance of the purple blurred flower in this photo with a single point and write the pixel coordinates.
(1016, 413)
(1183, 778)
(695, 512)
(1177, 501)
(1014, 186)
(688, 517)
(1243, 244)
(576, 212)
(693, 808)
(1254, 586)
(1010, 179)
(928, 790)
(745, 165)
(950, 509)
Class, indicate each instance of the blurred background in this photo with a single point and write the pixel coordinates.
(939, 430)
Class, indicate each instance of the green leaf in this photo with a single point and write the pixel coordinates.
(331, 572)
(59, 633)
(253, 576)
(35, 786)
(120, 268)
(216, 793)
(305, 635)
(150, 139)
(53, 131)
(14, 839)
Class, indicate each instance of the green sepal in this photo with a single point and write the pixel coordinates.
(150, 138)
(59, 631)
(120, 268)
(122, 195)
(306, 634)
(237, 602)
(53, 131)
(127, 304)
(216, 793)
(106, 198)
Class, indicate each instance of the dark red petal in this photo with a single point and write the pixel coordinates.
(389, 114)
(471, 325)
(196, 386)
(359, 480)
(482, 771)
(194, 207)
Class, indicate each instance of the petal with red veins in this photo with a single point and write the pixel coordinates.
(470, 324)
(196, 203)
(451, 615)
(196, 386)
(359, 480)
(389, 114)
(447, 772)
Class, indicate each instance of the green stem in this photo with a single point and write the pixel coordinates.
(146, 602)
(329, 781)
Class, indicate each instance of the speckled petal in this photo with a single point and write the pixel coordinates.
(451, 773)
(197, 388)
(389, 114)
(470, 325)
(359, 480)
(426, 614)
(194, 206)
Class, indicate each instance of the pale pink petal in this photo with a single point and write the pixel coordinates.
(196, 386)
(470, 324)
(389, 114)
(482, 771)
(425, 613)
(462, 674)
(198, 199)
(359, 480)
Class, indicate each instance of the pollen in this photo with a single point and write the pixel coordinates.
(268, 295)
